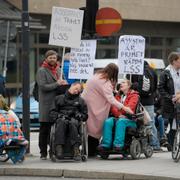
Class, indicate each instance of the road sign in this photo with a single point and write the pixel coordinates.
(108, 21)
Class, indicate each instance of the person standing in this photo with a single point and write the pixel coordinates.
(48, 80)
(146, 85)
(98, 95)
(169, 86)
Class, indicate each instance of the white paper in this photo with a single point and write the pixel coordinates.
(66, 27)
(82, 60)
(131, 54)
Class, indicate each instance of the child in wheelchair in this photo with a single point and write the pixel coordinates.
(12, 142)
(115, 136)
(68, 113)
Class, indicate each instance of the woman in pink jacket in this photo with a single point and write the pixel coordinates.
(98, 96)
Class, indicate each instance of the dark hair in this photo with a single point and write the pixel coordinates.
(50, 53)
(110, 72)
(173, 56)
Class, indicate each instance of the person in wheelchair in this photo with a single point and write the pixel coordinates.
(120, 119)
(68, 111)
(12, 140)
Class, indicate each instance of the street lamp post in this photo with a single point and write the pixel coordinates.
(25, 70)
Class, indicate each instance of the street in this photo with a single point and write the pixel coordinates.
(37, 178)
(159, 165)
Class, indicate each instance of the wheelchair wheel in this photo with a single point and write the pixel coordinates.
(3, 156)
(148, 151)
(52, 150)
(84, 158)
(84, 150)
(176, 147)
(135, 149)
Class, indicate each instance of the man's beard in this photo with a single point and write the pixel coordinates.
(52, 64)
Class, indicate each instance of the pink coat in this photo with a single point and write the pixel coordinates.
(98, 95)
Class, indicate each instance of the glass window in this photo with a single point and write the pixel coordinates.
(147, 53)
(44, 38)
(156, 41)
(107, 41)
(173, 41)
(106, 54)
(147, 40)
(156, 53)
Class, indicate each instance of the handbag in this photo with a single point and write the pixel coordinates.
(143, 115)
(147, 117)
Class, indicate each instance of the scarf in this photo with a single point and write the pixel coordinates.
(51, 68)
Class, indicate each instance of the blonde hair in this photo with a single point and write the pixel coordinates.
(3, 104)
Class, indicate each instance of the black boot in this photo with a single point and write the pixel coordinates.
(59, 152)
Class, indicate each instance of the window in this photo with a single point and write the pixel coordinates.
(43, 38)
(156, 41)
(156, 53)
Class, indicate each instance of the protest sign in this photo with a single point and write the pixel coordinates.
(131, 54)
(82, 60)
(66, 27)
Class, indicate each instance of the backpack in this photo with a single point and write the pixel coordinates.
(35, 92)
(146, 83)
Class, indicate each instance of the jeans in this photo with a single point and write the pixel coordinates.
(154, 141)
(119, 134)
(159, 121)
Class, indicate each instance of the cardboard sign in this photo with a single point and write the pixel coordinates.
(82, 60)
(131, 54)
(66, 27)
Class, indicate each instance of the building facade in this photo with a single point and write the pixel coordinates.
(157, 20)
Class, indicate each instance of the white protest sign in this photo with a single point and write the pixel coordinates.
(82, 60)
(131, 54)
(66, 27)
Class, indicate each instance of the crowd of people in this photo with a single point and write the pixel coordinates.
(103, 107)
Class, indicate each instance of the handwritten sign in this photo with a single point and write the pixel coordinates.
(131, 54)
(82, 60)
(66, 27)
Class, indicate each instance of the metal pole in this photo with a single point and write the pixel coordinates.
(6, 49)
(62, 63)
(25, 70)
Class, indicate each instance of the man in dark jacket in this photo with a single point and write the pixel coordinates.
(146, 85)
(68, 111)
(169, 85)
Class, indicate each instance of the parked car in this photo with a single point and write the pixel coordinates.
(17, 107)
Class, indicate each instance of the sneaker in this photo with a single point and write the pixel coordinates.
(59, 151)
(101, 148)
(117, 149)
(43, 157)
(157, 149)
(77, 155)
(23, 142)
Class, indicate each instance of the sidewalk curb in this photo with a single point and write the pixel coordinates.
(77, 174)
